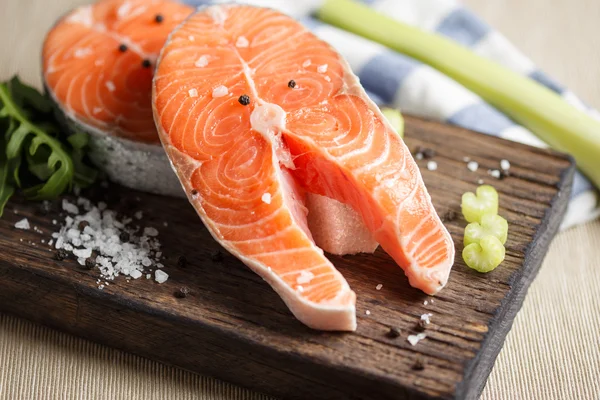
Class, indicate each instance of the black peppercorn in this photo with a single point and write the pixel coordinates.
(244, 99)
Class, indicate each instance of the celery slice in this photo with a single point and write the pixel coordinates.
(491, 224)
(475, 206)
(485, 255)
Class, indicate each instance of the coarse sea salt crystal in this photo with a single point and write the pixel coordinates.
(23, 224)
(425, 302)
(83, 253)
(425, 317)
(69, 207)
(495, 173)
(414, 339)
(135, 274)
(241, 42)
(306, 63)
(300, 288)
(505, 164)
(150, 231)
(432, 165)
(266, 198)
(466, 159)
(160, 276)
(419, 156)
(472, 166)
(378, 287)
(138, 215)
(220, 91)
(322, 68)
(193, 92)
(96, 110)
(368, 312)
(480, 181)
(110, 86)
(201, 62)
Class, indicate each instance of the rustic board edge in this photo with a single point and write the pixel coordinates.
(478, 370)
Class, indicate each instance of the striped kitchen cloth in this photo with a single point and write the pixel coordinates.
(397, 80)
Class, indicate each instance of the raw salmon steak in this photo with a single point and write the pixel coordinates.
(254, 111)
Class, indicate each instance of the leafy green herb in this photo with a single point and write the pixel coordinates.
(54, 160)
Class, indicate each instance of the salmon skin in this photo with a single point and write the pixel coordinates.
(98, 64)
(253, 110)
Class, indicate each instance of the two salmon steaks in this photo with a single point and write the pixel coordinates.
(254, 111)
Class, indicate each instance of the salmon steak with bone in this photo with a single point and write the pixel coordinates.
(255, 113)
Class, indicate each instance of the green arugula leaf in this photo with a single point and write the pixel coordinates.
(79, 140)
(16, 140)
(55, 161)
(25, 95)
(6, 188)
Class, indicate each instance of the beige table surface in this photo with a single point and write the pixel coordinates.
(553, 350)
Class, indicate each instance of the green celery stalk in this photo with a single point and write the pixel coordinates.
(544, 112)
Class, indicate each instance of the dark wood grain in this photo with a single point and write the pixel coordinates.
(234, 327)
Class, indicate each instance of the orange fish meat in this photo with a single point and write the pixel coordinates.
(253, 110)
(98, 63)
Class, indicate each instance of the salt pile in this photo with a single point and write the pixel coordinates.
(119, 246)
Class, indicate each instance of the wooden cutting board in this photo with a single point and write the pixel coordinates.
(234, 327)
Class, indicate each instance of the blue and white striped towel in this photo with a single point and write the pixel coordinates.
(398, 80)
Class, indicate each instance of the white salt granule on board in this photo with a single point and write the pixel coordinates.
(193, 92)
(83, 253)
(160, 276)
(414, 339)
(480, 181)
(419, 156)
(378, 287)
(220, 91)
(266, 198)
(495, 173)
(426, 318)
(136, 274)
(505, 164)
(201, 62)
(368, 312)
(466, 159)
(23, 224)
(472, 166)
(241, 42)
(121, 249)
(138, 215)
(425, 302)
(150, 231)
(432, 165)
(69, 207)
